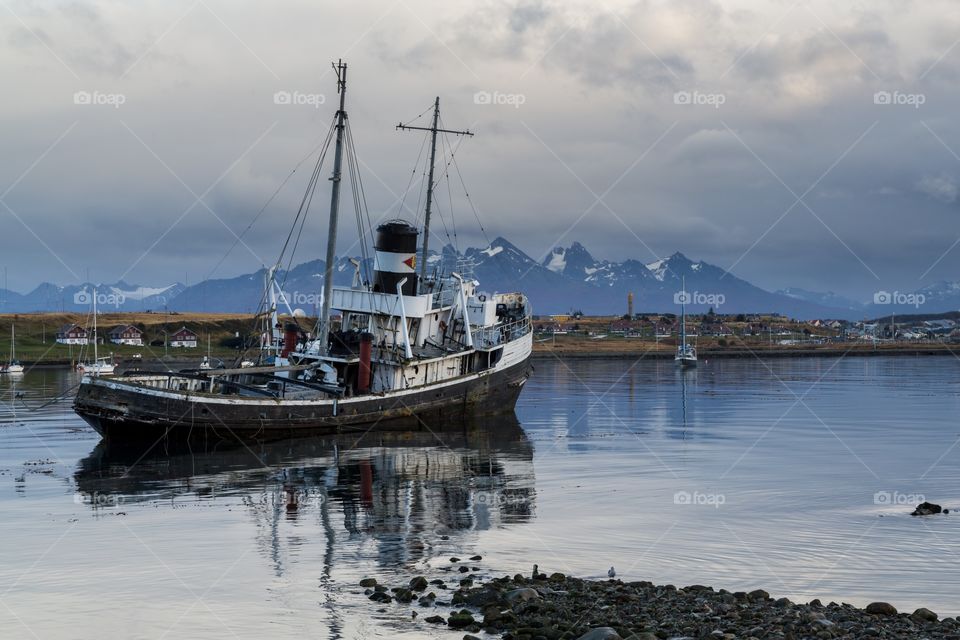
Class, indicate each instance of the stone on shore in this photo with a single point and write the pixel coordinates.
(368, 582)
(571, 608)
(881, 609)
(924, 614)
(926, 509)
(521, 595)
(461, 619)
(418, 584)
(601, 633)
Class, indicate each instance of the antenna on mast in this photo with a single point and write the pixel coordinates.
(433, 155)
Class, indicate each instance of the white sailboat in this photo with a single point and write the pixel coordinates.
(205, 364)
(686, 353)
(99, 366)
(13, 366)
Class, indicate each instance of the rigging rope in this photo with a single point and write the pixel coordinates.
(269, 200)
(305, 203)
(413, 174)
(359, 204)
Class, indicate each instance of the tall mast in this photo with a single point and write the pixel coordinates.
(341, 68)
(683, 313)
(426, 213)
(433, 156)
(95, 354)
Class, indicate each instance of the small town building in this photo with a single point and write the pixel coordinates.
(184, 338)
(126, 334)
(72, 334)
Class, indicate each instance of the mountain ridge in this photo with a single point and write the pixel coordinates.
(566, 279)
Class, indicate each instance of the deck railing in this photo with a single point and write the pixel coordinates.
(501, 333)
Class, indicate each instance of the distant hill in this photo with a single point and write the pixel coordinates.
(568, 278)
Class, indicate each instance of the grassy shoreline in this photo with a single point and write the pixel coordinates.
(37, 346)
(36, 341)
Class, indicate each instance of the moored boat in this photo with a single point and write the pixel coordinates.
(13, 366)
(409, 349)
(98, 366)
(686, 353)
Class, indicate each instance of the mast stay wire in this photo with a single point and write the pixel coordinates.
(256, 217)
(361, 209)
(305, 203)
(413, 174)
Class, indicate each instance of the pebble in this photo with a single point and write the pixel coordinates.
(881, 609)
(418, 584)
(925, 615)
(601, 633)
(521, 595)
(926, 509)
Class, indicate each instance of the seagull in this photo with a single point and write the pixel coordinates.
(611, 573)
(535, 570)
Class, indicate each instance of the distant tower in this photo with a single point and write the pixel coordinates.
(630, 304)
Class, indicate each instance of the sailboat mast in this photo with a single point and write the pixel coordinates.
(426, 213)
(95, 359)
(341, 69)
(683, 313)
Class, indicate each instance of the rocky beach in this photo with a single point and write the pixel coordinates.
(556, 606)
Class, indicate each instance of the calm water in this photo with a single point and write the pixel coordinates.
(790, 475)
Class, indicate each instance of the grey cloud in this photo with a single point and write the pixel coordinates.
(595, 95)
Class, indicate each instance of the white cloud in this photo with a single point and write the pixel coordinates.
(942, 187)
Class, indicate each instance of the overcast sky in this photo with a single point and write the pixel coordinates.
(812, 144)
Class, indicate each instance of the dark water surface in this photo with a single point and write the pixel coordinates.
(795, 476)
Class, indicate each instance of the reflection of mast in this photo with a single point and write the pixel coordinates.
(397, 490)
(325, 578)
(683, 402)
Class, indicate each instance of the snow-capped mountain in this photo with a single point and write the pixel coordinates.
(571, 278)
(826, 299)
(567, 278)
(119, 296)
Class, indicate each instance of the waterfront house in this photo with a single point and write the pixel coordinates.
(184, 338)
(72, 334)
(126, 334)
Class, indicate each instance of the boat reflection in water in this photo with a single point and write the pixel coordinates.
(403, 489)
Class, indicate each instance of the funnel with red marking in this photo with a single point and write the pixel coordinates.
(396, 257)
